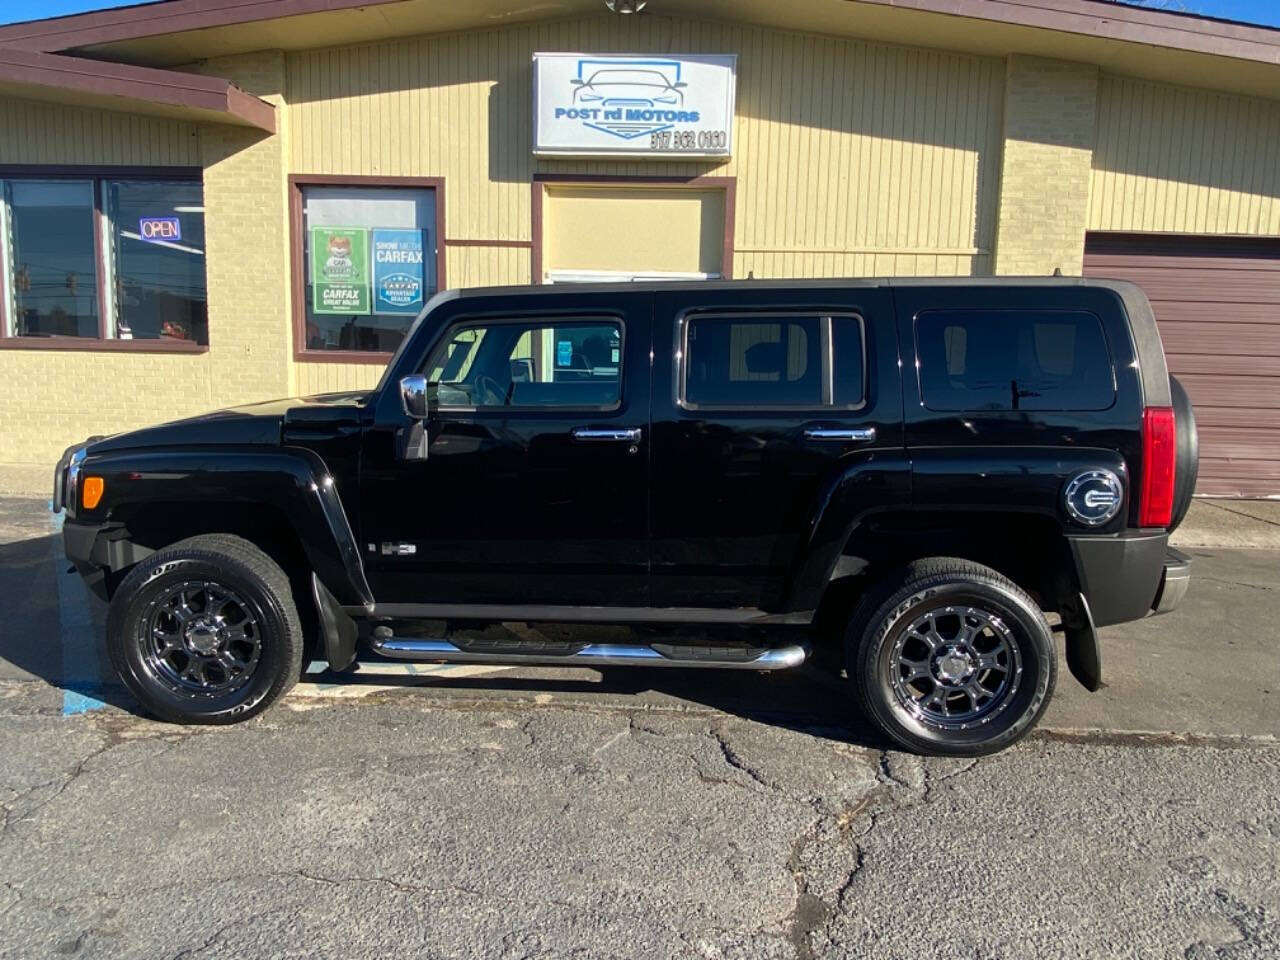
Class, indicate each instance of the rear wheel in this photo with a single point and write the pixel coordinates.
(951, 658)
(206, 631)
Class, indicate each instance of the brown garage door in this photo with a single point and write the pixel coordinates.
(1217, 300)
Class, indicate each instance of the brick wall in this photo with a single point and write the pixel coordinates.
(246, 258)
(50, 399)
(1050, 121)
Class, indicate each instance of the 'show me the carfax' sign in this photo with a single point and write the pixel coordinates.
(639, 105)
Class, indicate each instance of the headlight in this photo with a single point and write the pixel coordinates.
(71, 489)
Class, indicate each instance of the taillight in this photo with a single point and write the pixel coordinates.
(1159, 452)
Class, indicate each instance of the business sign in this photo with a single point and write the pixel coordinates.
(160, 229)
(399, 278)
(633, 105)
(340, 269)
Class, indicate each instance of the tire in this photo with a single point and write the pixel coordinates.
(1187, 453)
(965, 598)
(206, 631)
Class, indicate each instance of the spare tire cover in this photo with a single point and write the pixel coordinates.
(1187, 454)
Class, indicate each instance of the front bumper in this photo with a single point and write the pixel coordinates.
(1173, 582)
(79, 543)
(96, 549)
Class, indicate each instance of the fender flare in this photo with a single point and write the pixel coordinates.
(293, 480)
(877, 482)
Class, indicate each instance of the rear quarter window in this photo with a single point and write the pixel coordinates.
(973, 360)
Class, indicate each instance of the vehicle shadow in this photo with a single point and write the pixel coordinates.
(51, 626)
(52, 629)
(805, 699)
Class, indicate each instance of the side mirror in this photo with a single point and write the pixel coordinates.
(413, 394)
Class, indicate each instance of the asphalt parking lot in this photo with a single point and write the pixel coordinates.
(466, 812)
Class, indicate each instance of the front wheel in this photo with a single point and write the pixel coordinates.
(951, 659)
(206, 631)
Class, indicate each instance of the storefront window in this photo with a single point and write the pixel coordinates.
(51, 258)
(370, 264)
(63, 241)
(157, 245)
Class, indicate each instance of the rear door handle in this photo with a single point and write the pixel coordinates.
(841, 434)
(607, 434)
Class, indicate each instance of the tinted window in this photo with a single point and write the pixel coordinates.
(848, 361)
(55, 276)
(544, 363)
(1013, 360)
(774, 361)
(157, 238)
(734, 362)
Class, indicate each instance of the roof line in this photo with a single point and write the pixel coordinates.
(169, 87)
(1093, 18)
(1112, 21)
(158, 19)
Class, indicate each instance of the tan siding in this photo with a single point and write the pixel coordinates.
(672, 230)
(851, 157)
(1180, 160)
(32, 132)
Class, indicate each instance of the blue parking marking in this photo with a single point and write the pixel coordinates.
(81, 679)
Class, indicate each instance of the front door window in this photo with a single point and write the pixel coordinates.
(570, 364)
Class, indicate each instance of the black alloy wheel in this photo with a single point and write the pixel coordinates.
(206, 631)
(951, 658)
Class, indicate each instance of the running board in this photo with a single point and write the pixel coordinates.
(598, 655)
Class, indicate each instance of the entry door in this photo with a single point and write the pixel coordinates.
(766, 398)
(534, 485)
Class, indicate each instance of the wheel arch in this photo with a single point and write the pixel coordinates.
(284, 500)
(1030, 549)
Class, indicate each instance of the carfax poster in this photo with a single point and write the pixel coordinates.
(398, 271)
(340, 269)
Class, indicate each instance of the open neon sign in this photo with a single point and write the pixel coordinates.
(160, 229)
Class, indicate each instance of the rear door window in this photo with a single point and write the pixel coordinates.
(772, 360)
(972, 360)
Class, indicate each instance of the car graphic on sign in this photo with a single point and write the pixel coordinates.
(629, 86)
(616, 82)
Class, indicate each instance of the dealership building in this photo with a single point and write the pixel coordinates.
(212, 202)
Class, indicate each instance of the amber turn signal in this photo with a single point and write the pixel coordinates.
(93, 487)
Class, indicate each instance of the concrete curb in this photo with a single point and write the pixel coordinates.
(1231, 523)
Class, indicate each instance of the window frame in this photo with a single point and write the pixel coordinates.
(1037, 311)
(97, 175)
(297, 257)
(826, 348)
(474, 321)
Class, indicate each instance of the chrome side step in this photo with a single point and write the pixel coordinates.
(597, 655)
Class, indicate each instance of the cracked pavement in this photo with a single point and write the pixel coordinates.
(637, 813)
(395, 826)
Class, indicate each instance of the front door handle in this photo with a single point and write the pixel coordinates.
(615, 434)
(842, 434)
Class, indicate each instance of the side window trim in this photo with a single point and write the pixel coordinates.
(531, 319)
(826, 318)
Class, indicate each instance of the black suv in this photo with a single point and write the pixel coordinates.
(897, 477)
